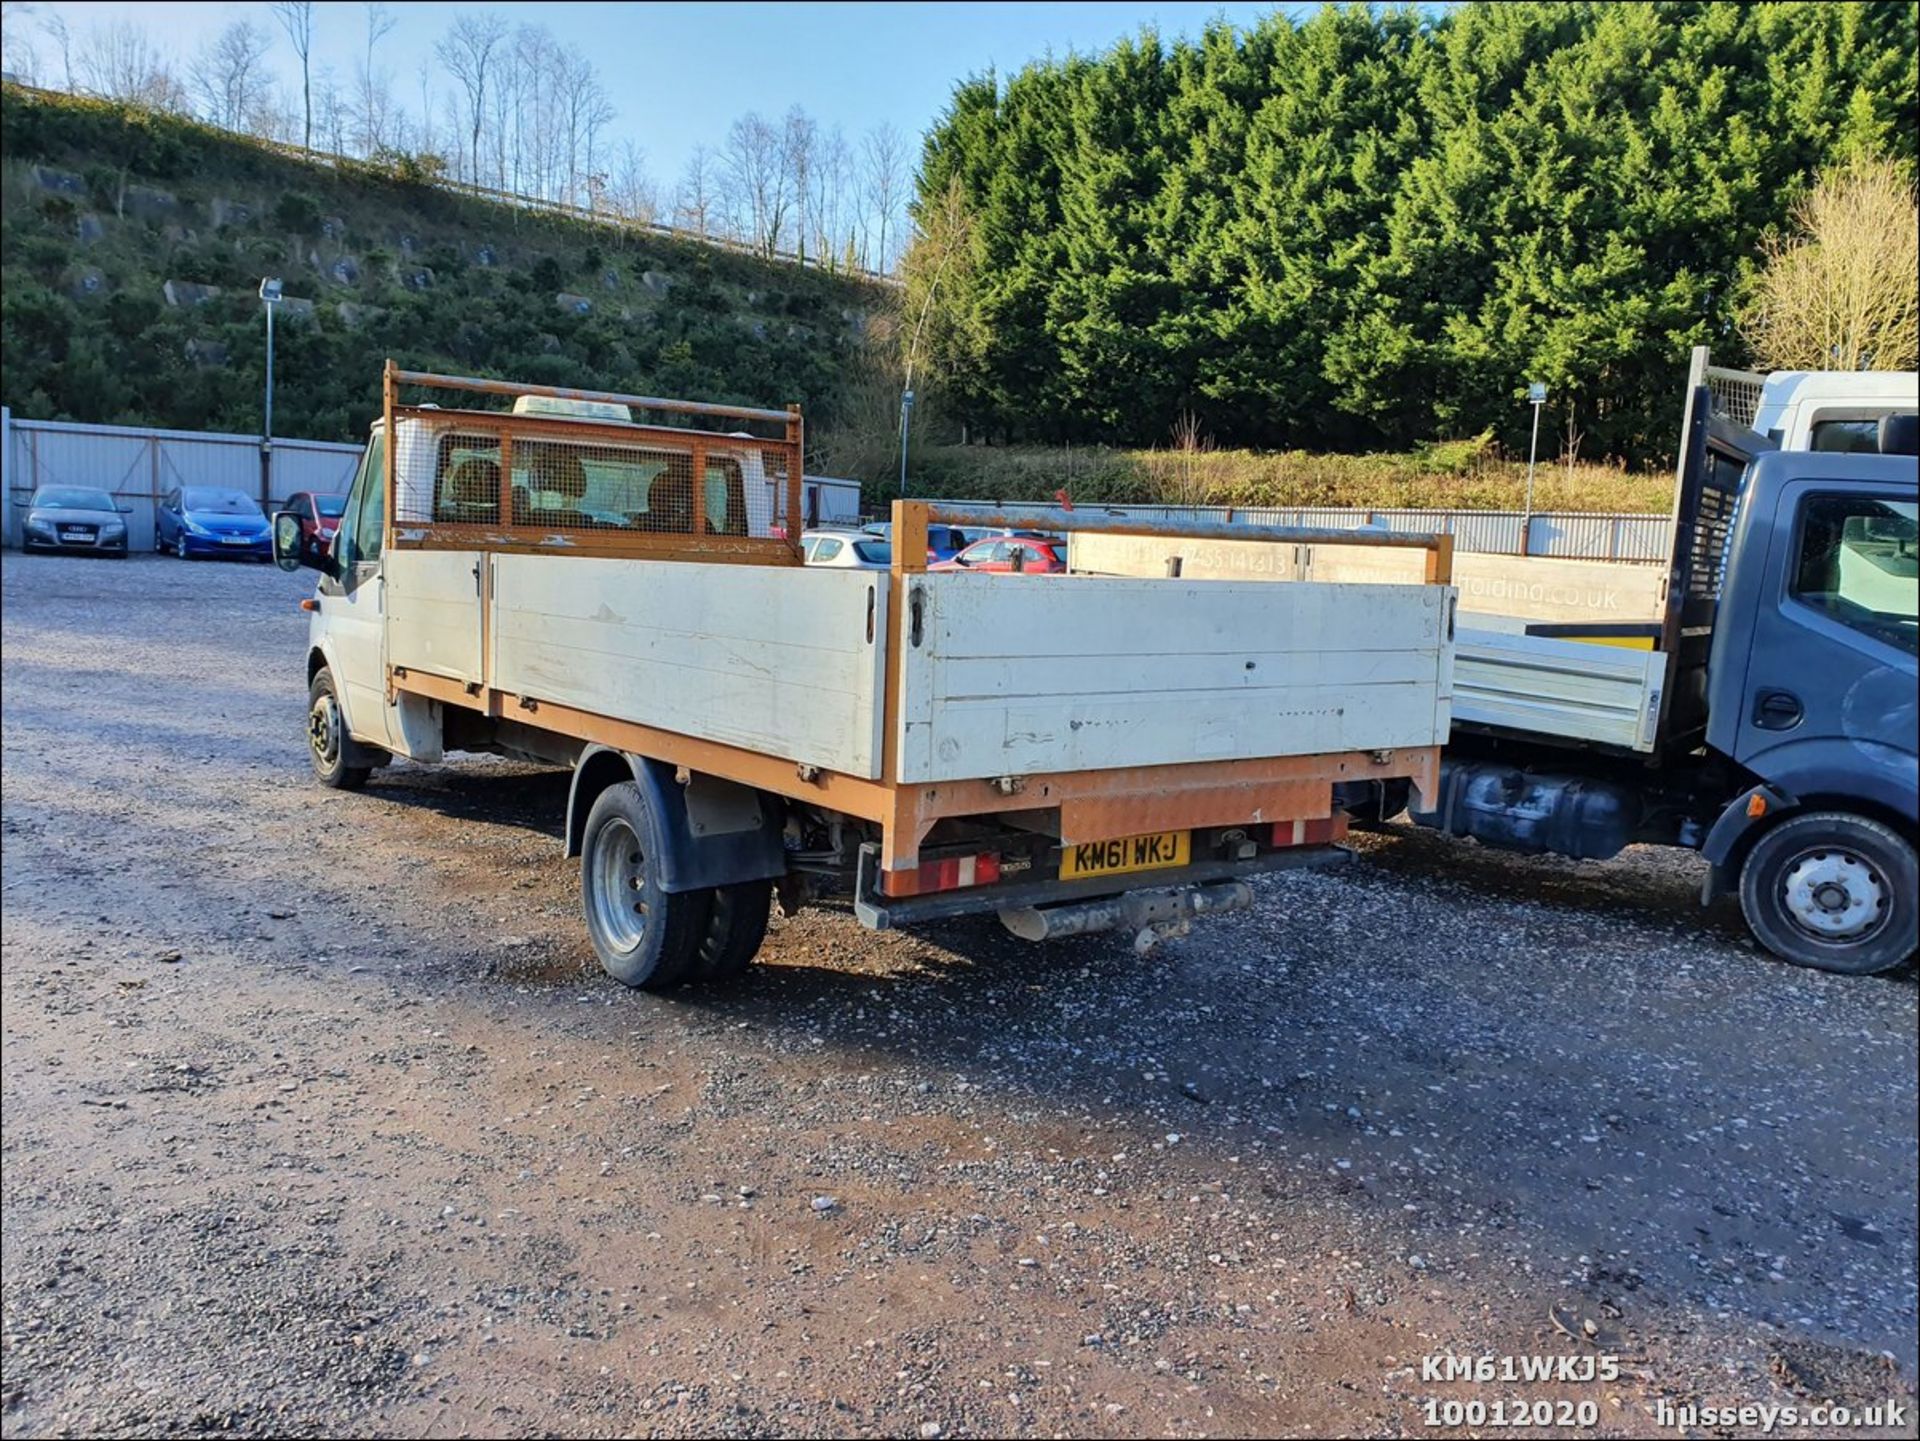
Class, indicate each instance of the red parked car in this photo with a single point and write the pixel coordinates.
(1028, 554)
(319, 515)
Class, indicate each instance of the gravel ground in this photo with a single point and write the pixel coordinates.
(319, 1117)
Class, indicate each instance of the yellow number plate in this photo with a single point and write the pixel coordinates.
(1133, 853)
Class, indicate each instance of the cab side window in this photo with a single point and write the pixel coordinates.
(1858, 563)
(363, 524)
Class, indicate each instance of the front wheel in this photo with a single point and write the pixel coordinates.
(1834, 891)
(644, 936)
(327, 737)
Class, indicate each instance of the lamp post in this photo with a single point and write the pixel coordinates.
(1537, 397)
(270, 294)
(906, 420)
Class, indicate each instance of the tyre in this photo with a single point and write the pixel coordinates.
(1834, 891)
(644, 937)
(327, 737)
(735, 929)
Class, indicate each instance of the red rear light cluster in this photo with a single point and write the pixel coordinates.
(1311, 833)
(953, 874)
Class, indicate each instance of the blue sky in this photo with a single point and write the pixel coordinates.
(681, 73)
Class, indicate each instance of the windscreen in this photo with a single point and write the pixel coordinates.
(218, 502)
(71, 497)
(331, 506)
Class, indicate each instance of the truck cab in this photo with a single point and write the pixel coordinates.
(1811, 687)
(1827, 410)
(1781, 695)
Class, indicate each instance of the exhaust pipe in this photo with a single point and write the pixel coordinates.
(1154, 915)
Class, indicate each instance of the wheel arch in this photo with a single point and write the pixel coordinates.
(716, 832)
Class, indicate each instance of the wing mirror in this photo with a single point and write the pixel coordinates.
(294, 548)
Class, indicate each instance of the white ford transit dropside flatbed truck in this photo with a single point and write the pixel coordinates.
(558, 582)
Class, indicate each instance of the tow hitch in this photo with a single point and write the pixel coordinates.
(1153, 916)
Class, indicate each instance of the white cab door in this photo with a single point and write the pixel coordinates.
(353, 601)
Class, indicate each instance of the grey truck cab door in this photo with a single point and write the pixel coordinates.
(1826, 704)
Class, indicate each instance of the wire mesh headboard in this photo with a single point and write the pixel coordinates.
(590, 473)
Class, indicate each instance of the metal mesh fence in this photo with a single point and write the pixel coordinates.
(458, 479)
(566, 468)
(587, 486)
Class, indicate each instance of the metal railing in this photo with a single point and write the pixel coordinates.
(1569, 535)
(911, 518)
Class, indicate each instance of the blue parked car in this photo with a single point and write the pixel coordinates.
(944, 542)
(205, 520)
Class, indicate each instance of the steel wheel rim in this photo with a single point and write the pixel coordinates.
(619, 874)
(323, 732)
(1834, 894)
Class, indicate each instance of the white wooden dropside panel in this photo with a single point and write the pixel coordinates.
(1017, 675)
(786, 661)
(433, 611)
(1546, 686)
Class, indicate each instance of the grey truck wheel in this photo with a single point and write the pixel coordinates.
(327, 737)
(1834, 891)
(645, 937)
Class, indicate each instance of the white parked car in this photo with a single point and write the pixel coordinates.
(846, 549)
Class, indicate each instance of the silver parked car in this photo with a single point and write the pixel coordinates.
(76, 518)
(845, 549)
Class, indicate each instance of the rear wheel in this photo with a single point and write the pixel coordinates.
(1834, 891)
(645, 937)
(327, 737)
(735, 930)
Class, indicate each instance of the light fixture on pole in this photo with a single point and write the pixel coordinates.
(270, 296)
(1537, 397)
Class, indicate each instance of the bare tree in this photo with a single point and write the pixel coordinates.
(375, 98)
(697, 199)
(1843, 294)
(296, 18)
(630, 190)
(754, 165)
(507, 88)
(333, 110)
(537, 142)
(799, 137)
(885, 154)
(468, 52)
(1188, 483)
(227, 78)
(118, 61)
(833, 239)
(21, 58)
(584, 112)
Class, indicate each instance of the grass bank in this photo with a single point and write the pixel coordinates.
(1450, 475)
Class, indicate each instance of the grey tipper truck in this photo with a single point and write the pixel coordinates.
(1785, 744)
